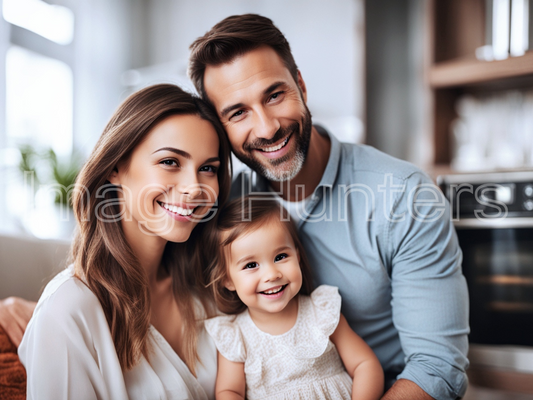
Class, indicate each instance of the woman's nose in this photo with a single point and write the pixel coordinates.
(190, 186)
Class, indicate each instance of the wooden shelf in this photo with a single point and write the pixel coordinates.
(465, 72)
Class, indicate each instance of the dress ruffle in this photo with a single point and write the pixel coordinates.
(227, 337)
(324, 308)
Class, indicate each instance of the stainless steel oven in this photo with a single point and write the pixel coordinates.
(493, 216)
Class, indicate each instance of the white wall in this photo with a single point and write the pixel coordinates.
(326, 37)
(398, 106)
(103, 47)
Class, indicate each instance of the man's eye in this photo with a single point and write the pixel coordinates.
(250, 265)
(237, 114)
(280, 257)
(276, 95)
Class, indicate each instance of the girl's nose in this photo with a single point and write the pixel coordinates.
(273, 273)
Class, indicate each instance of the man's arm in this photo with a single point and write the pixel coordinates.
(406, 390)
(15, 313)
(429, 292)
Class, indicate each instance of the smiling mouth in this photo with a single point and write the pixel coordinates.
(275, 148)
(185, 212)
(275, 290)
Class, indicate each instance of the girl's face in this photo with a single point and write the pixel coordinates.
(264, 268)
(170, 180)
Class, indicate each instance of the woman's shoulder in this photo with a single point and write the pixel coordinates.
(66, 295)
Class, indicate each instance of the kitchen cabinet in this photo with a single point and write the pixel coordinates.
(456, 29)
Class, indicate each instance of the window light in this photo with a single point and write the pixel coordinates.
(53, 22)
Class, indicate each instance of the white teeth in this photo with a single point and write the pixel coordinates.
(276, 148)
(178, 210)
(273, 291)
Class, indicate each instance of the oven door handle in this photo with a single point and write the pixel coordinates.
(493, 223)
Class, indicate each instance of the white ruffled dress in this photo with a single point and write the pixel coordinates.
(302, 363)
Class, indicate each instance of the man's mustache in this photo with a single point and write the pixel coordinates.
(280, 134)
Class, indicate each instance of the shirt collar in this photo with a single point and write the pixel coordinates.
(332, 167)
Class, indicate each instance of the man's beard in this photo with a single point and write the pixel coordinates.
(302, 138)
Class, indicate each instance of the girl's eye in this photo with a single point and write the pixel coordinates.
(250, 265)
(280, 257)
(170, 163)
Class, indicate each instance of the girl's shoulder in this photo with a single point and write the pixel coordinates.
(226, 332)
(322, 309)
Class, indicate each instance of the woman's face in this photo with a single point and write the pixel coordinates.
(170, 180)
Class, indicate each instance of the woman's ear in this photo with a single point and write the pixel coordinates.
(113, 177)
(298, 254)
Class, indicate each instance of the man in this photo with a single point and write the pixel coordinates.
(372, 225)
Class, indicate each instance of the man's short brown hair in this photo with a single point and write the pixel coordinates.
(233, 37)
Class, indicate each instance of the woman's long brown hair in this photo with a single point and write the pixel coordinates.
(102, 257)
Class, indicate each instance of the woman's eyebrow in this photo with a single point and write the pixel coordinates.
(174, 150)
(212, 159)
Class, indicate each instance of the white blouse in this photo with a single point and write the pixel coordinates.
(69, 353)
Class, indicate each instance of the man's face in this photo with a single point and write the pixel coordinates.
(263, 111)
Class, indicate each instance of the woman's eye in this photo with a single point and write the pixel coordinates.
(250, 265)
(209, 168)
(280, 257)
(170, 163)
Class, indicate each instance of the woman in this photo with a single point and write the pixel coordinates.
(121, 321)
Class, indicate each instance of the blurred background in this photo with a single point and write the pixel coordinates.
(444, 84)
(66, 65)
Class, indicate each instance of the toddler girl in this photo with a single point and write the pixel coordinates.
(280, 341)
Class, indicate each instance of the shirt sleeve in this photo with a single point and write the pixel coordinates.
(58, 348)
(429, 292)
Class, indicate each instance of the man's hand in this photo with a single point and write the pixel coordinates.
(404, 389)
(15, 313)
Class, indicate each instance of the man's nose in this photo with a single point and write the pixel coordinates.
(265, 124)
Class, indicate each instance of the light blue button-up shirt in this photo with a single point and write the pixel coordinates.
(378, 229)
